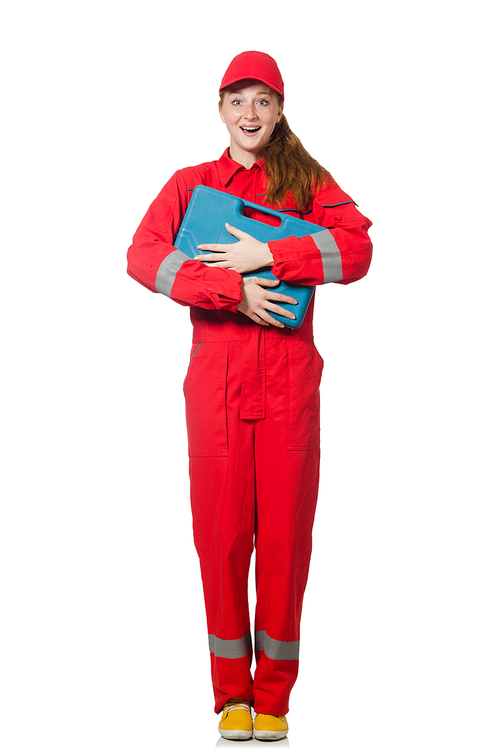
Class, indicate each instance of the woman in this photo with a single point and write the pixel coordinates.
(252, 387)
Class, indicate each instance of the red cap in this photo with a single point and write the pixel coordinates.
(254, 65)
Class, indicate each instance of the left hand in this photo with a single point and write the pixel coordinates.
(244, 256)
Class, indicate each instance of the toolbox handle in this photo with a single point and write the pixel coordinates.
(243, 203)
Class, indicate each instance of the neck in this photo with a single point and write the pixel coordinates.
(247, 159)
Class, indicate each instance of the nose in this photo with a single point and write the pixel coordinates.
(250, 112)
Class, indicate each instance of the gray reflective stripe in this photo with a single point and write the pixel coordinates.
(194, 352)
(230, 648)
(330, 255)
(278, 651)
(168, 270)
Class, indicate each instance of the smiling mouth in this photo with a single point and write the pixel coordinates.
(250, 130)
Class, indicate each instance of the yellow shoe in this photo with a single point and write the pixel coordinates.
(236, 721)
(270, 727)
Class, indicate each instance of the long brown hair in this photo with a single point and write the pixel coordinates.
(290, 169)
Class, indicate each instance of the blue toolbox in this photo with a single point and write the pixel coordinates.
(204, 223)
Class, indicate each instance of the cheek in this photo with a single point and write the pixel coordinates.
(270, 116)
(270, 119)
(228, 117)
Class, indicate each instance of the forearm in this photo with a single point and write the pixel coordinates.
(340, 254)
(154, 261)
(329, 256)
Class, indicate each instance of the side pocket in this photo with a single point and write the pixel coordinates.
(305, 367)
(205, 391)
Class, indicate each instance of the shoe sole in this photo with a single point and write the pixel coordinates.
(235, 734)
(270, 735)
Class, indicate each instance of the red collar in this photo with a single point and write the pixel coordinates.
(229, 167)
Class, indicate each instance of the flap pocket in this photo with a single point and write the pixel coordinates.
(205, 391)
(305, 367)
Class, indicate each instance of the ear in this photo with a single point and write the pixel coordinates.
(221, 115)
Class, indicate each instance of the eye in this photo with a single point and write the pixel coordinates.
(235, 102)
(263, 102)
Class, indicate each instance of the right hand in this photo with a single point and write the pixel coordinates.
(258, 302)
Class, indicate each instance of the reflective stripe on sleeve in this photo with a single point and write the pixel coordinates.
(276, 650)
(168, 270)
(230, 648)
(330, 256)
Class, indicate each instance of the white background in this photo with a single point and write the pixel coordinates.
(103, 635)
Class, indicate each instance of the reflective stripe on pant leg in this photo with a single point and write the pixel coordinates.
(230, 648)
(275, 649)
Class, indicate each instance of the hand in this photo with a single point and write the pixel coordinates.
(244, 256)
(257, 302)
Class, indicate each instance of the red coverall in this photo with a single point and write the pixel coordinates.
(252, 406)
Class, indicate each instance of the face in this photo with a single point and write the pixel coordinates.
(250, 111)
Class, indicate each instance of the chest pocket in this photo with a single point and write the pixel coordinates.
(205, 391)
